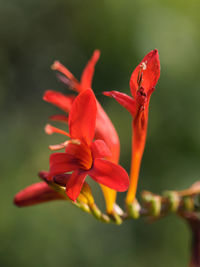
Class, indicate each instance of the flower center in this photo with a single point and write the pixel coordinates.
(82, 153)
(86, 159)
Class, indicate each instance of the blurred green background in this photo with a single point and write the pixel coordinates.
(35, 33)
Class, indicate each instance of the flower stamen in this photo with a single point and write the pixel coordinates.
(62, 69)
(49, 129)
(64, 144)
(143, 66)
(139, 78)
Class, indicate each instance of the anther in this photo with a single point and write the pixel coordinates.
(49, 129)
(144, 65)
(65, 144)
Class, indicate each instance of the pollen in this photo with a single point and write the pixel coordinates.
(144, 65)
(76, 141)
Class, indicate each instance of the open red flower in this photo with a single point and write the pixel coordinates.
(104, 128)
(142, 84)
(84, 157)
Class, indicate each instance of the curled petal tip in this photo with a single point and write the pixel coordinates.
(97, 51)
(124, 100)
(106, 93)
(16, 201)
(156, 55)
(96, 54)
(88, 72)
(44, 175)
(55, 65)
(58, 99)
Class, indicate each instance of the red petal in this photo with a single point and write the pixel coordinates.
(74, 184)
(45, 176)
(88, 72)
(35, 194)
(109, 174)
(61, 179)
(150, 67)
(61, 163)
(100, 149)
(124, 100)
(60, 117)
(105, 131)
(82, 153)
(82, 117)
(58, 99)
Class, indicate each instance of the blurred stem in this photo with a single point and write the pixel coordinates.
(183, 203)
(152, 206)
(194, 224)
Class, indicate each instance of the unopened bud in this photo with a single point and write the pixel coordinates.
(115, 218)
(82, 199)
(95, 211)
(105, 218)
(118, 209)
(156, 206)
(87, 192)
(133, 209)
(84, 207)
(154, 202)
(188, 203)
(173, 200)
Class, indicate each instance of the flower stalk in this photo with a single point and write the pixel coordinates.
(151, 206)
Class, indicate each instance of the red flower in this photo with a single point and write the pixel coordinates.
(84, 157)
(104, 128)
(64, 102)
(142, 84)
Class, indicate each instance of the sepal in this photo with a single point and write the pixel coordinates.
(58, 99)
(123, 99)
